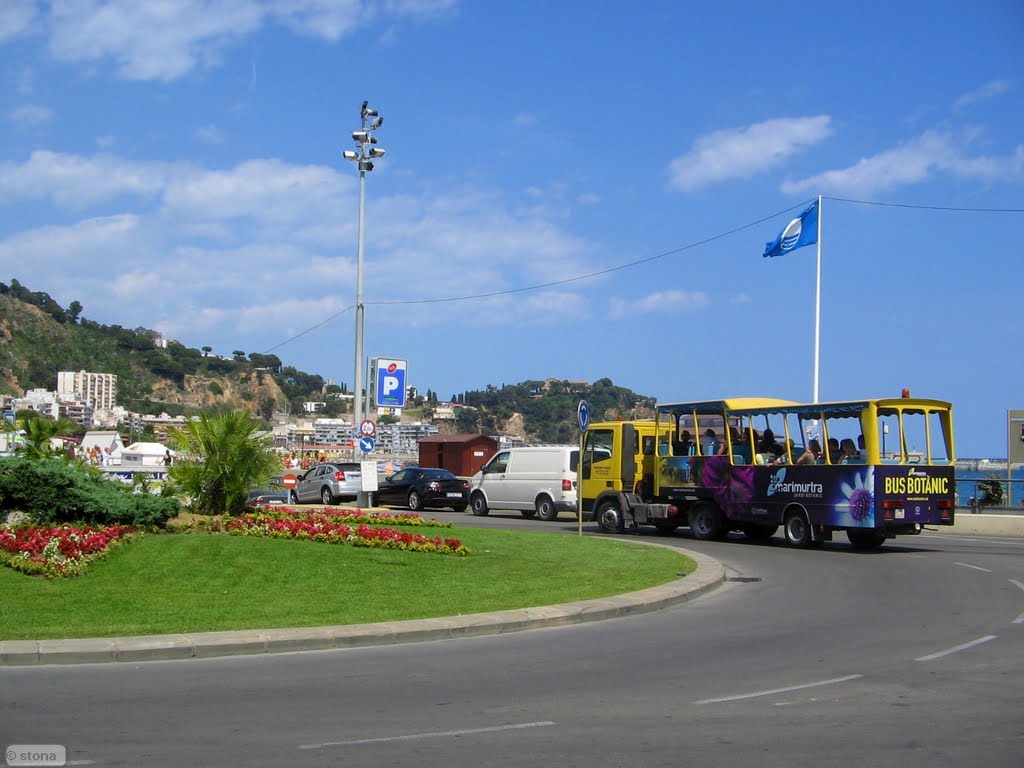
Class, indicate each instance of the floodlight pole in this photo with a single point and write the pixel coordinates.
(357, 400)
(365, 140)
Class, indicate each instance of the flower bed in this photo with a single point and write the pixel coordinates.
(356, 516)
(63, 550)
(325, 526)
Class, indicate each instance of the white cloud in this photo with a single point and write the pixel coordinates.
(661, 302)
(264, 250)
(161, 40)
(743, 152)
(75, 181)
(588, 198)
(910, 163)
(984, 93)
(30, 115)
(16, 17)
(210, 134)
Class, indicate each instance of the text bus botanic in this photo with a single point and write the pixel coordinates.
(872, 468)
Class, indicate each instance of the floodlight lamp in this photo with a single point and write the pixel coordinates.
(361, 136)
(369, 112)
(365, 165)
(376, 152)
(350, 154)
(376, 123)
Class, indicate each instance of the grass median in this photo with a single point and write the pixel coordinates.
(173, 583)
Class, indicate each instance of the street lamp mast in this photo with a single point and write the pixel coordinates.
(366, 154)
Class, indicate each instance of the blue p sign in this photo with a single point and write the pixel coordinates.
(390, 383)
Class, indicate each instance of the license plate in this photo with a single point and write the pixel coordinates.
(454, 495)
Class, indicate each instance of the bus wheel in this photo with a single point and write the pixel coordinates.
(609, 518)
(479, 505)
(798, 530)
(706, 522)
(865, 538)
(759, 532)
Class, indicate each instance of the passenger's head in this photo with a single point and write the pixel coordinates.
(814, 446)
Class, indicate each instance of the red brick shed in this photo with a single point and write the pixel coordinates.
(462, 455)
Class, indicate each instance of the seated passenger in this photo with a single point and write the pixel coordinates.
(682, 446)
(709, 443)
(848, 453)
(832, 451)
(767, 442)
(812, 454)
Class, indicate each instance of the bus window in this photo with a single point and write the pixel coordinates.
(711, 430)
(938, 444)
(889, 435)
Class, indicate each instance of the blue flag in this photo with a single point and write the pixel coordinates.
(801, 231)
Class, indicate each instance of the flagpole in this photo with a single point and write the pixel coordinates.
(817, 308)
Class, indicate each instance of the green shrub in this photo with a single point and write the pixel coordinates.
(54, 491)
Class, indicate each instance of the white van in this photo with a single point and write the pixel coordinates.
(537, 480)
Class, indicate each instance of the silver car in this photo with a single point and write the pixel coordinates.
(328, 483)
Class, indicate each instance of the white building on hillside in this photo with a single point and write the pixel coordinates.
(97, 389)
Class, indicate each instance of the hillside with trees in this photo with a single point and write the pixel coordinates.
(39, 338)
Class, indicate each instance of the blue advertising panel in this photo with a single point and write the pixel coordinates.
(390, 377)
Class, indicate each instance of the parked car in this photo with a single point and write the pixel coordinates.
(261, 498)
(327, 483)
(419, 488)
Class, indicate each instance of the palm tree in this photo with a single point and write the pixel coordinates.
(38, 433)
(220, 457)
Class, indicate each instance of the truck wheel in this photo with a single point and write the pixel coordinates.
(706, 522)
(609, 518)
(758, 531)
(546, 508)
(479, 505)
(798, 530)
(865, 538)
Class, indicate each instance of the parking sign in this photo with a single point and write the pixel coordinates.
(390, 390)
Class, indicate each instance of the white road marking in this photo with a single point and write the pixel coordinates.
(956, 649)
(1019, 619)
(755, 694)
(975, 567)
(430, 735)
(1019, 584)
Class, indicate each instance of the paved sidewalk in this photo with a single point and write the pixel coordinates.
(709, 574)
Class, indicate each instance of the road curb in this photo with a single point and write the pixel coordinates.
(708, 575)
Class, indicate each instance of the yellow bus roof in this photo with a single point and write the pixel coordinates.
(731, 404)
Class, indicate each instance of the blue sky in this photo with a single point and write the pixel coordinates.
(178, 166)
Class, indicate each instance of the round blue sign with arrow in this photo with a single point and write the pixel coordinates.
(366, 444)
(583, 415)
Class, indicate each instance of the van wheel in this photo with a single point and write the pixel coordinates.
(706, 522)
(479, 505)
(327, 497)
(546, 509)
(798, 530)
(609, 518)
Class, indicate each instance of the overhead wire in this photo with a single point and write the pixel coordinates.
(639, 262)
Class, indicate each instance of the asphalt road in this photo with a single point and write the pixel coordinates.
(913, 656)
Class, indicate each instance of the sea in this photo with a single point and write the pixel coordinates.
(969, 472)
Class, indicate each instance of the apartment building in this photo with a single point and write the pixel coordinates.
(97, 389)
